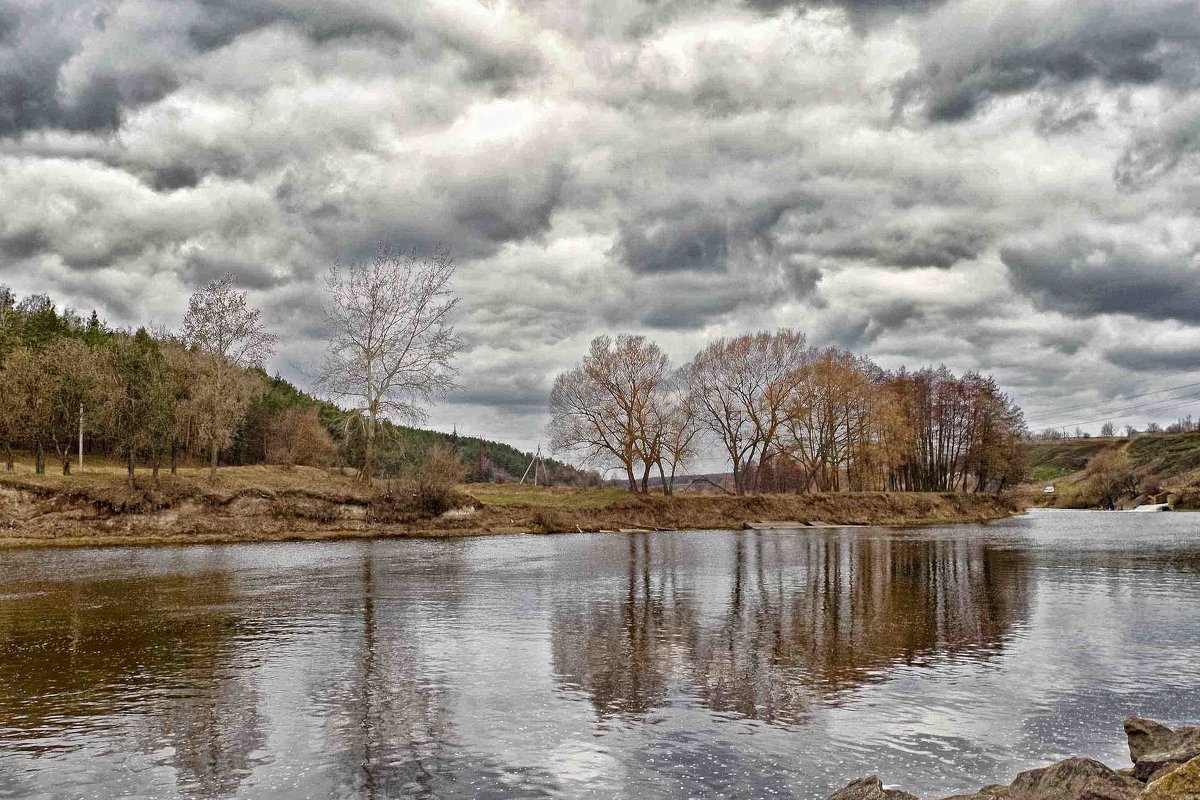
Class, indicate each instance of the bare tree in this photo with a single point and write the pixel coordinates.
(391, 340)
(680, 433)
(741, 389)
(615, 406)
(221, 324)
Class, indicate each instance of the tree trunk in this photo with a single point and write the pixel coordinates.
(129, 465)
(174, 457)
(630, 477)
(8, 458)
(66, 461)
(39, 460)
(212, 463)
(368, 469)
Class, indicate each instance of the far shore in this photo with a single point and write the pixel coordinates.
(97, 507)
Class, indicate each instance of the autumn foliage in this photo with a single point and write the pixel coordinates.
(788, 417)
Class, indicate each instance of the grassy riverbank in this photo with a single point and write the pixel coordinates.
(96, 506)
(1167, 462)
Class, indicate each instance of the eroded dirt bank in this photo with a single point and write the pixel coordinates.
(45, 513)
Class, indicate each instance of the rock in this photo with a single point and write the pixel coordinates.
(869, 789)
(1074, 779)
(1162, 771)
(1156, 748)
(1182, 783)
(993, 792)
(1145, 735)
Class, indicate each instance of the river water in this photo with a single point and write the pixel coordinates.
(703, 664)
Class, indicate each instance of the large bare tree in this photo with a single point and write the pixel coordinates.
(616, 406)
(221, 324)
(391, 341)
(741, 389)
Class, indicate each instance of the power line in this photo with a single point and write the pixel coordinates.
(1177, 403)
(1121, 400)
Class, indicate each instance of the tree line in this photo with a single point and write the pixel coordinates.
(141, 397)
(787, 417)
(70, 384)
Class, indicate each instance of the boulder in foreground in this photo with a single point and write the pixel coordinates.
(1179, 784)
(1166, 767)
(1156, 749)
(1075, 778)
(870, 788)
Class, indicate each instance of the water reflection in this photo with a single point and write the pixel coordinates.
(793, 623)
(388, 725)
(78, 652)
(756, 664)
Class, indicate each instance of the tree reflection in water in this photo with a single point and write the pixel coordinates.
(152, 660)
(388, 722)
(792, 623)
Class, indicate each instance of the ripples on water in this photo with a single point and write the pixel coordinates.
(755, 664)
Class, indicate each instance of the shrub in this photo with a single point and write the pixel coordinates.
(1109, 478)
(546, 521)
(436, 480)
(296, 436)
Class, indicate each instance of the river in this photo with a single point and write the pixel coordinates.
(768, 664)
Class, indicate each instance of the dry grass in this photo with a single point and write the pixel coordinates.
(102, 475)
(525, 495)
(269, 503)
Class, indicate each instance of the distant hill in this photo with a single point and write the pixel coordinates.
(404, 446)
(1048, 459)
(1167, 460)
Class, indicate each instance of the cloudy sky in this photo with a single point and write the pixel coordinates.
(1010, 186)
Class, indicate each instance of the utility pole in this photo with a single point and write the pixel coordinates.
(533, 465)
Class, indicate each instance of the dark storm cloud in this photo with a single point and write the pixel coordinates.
(683, 168)
(505, 390)
(801, 278)
(1011, 49)
(222, 21)
(511, 206)
(45, 48)
(939, 246)
(699, 234)
(82, 66)
(860, 329)
(1083, 275)
(689, 243)
(1148, 358)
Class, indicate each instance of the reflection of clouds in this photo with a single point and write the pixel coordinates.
(795, 627)
(691, 664)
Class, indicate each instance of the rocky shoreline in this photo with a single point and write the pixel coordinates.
(1166, 766)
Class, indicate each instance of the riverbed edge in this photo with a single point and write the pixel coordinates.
(33, 517)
